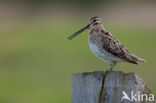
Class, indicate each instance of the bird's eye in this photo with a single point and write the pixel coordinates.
(94, 20)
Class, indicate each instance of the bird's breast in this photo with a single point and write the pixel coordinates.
(94, 48)
(100, 52)
(93, 45)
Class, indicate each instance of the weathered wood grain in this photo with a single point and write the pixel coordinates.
(106, 87)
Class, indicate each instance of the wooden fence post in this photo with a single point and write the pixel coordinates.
(109, 87)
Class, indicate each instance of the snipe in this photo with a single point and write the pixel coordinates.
(105, 46)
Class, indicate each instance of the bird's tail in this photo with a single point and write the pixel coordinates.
(134, 59)
(141, 60)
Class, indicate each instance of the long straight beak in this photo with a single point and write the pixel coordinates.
(78, 32)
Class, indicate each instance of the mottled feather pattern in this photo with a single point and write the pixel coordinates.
(106, 41)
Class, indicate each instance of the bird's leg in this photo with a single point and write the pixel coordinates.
(111, 66)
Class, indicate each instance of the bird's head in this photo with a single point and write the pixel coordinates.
(94, 21)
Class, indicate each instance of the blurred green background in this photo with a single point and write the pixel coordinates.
(36, 60)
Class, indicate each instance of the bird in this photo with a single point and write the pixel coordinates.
(105, 46)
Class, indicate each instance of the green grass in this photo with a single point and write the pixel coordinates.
(36, 60)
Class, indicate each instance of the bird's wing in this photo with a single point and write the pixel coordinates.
(113, 46)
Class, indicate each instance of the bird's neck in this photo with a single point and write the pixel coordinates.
(95, 32)
(97, 28)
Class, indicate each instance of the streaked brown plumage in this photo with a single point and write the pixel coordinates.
(105, 46)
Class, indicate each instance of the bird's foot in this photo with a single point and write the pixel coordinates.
(109, 70)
